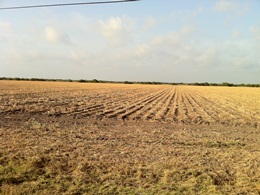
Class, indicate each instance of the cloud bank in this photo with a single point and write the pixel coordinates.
(175, 47)
(53, 35)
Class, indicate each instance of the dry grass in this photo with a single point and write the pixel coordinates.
(50, 154)
(111, 158)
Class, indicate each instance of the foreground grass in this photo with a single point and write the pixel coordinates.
(111, 158)
(44, 176)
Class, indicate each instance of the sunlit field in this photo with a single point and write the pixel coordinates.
(83, 138)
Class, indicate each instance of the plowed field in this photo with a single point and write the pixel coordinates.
(80, 138)
(162, 103)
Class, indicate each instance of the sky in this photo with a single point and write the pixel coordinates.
(148, 40)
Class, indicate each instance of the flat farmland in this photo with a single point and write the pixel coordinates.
(163, 103)
(93, 138)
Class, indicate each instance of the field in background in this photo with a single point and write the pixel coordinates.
(163, 103)
(76, 138)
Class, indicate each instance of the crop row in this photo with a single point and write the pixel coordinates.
(174, 104)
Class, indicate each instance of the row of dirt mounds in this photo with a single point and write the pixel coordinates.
(162, 103)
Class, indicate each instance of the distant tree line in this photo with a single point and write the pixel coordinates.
(30, 79)
(226, 84)
(132, 82)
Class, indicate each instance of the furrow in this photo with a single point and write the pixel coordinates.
(178, 112)
(157, 109)
(227, 116)
(110, 106)
(207, 108)
(140, 102)
(184, 116)
(166, 114)
(221, 116)
(202, 116)
(230, 108)
(143, 107)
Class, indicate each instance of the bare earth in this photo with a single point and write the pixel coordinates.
(79, 138)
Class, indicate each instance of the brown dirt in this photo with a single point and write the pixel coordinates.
(118, 139)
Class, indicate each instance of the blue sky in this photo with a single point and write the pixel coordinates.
(147, 40)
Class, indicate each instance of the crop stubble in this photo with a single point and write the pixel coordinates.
(162, 103)
(70, 138)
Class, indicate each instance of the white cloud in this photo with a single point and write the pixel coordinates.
(159, 49)
(199, 10)
(207, 57)
(53, 35)
(142, 50)
(78, 55)
(5, 26)
(172, 39)
(255, 30)
(187, 29)
(167, 50)
(225, 5)
(117, 30)
(187, 15)
(236, 34)
(149, 23)
(229, 5)
(5, 30)
(28, 56)
(11, 56)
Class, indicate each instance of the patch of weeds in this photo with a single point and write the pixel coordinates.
(24, 170)
(33, 124)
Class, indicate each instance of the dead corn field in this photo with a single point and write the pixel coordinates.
(80, 138)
